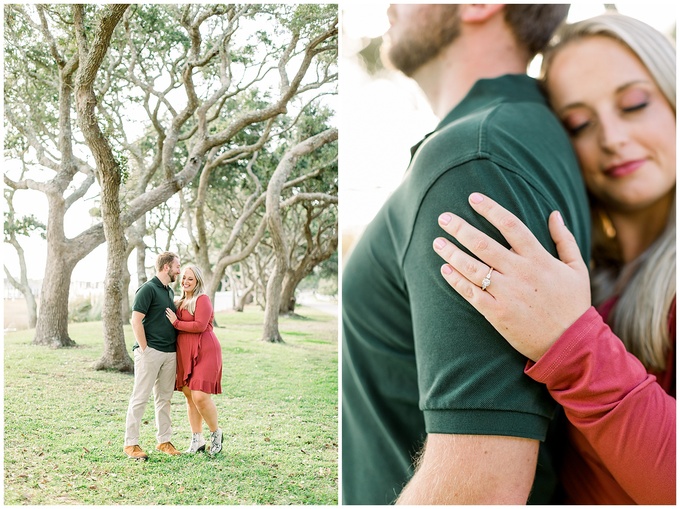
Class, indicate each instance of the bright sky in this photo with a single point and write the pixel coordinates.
(383, 118)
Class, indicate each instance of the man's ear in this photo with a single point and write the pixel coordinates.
(479, 13)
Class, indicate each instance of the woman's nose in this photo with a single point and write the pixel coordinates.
(613, 133)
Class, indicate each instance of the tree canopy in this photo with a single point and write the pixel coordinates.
(143, 104)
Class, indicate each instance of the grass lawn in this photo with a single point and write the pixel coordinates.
(65, 422)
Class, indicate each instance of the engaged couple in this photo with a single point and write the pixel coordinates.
(175, 349)
(457, 378)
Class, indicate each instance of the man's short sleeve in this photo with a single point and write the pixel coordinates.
(471, 381)
(143, 299)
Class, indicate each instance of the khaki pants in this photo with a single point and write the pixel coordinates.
(154, 370)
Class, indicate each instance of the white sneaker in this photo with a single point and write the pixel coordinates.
(197, 443)
(216, 439)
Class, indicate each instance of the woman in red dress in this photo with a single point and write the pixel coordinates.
(199, 359)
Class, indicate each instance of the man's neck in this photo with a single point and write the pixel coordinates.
(163, 278)
(447, 78)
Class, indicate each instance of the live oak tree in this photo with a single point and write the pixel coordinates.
(150, 114)
(15, 227)
(91, 53)
(232, 216)
(275, 224)
(224, 209)
(313, 240)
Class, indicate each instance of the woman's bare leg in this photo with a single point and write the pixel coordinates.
(206, 407)
(195, 419)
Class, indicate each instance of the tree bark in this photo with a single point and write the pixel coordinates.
(273, 206)
(52, 327)
(288, 286)
(22, 284)
(25, 289)
(246, 297)
(108, 170)
(318, 248)
(125, 308)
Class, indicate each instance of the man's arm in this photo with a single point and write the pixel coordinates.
(473, 469)
(138, 329)
(484, 419)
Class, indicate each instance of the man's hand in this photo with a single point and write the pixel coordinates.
(473, 469)
(138, 329)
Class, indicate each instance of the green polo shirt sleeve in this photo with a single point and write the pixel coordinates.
(143, 299)
(471, 381)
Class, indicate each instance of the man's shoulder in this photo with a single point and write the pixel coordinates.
(146, 287)
(523, 137)
(147, 292)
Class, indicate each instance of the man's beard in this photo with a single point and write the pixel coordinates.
(422, 40)
(173, 276)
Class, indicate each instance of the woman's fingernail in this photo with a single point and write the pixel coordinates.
(560, 219)
(476, 198)
(439, 243)
(446, 269)
(445, 218)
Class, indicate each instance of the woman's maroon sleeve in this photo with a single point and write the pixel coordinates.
(202, 315)
(607, 394)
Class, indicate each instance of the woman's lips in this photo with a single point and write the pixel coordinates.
(621, 170)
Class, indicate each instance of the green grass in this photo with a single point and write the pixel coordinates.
(65, 422)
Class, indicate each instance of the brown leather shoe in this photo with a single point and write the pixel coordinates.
(135, 452)
(168, 448)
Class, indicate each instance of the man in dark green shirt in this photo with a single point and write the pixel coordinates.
(155, 357)
(424, 375)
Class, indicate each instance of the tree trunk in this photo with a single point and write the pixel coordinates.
(115, 354)
(233, 285)
(108, 169)
(52, 327)
(126, 309)
(271, 309)
(140, 250)
(245, 298)
(23, 286)
(288, 294)
(141, 267)
(275, 223)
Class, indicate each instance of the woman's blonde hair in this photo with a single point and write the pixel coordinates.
(646, 286)
(190, 303)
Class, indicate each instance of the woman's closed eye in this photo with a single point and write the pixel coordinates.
(576, 130)
(636, 107)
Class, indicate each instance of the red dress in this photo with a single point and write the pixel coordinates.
(199, 355)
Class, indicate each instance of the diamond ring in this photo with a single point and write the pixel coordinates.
(487, 279)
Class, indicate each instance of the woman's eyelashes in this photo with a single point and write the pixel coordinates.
(637, 107)
(578, 124)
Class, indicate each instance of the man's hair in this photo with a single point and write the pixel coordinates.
(164, 258)
(534, 24)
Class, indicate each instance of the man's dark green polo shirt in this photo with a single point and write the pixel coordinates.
(151, 300)
(417, 358)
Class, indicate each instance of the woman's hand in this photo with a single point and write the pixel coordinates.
(171, 315)
(532, 297)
